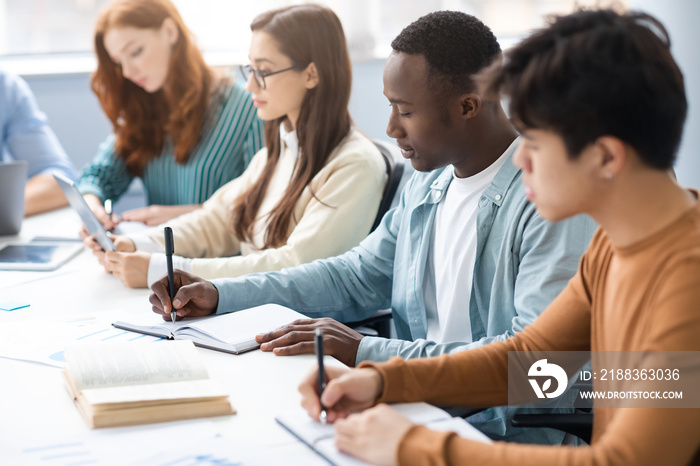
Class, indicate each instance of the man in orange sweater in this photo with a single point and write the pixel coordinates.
(601, 105)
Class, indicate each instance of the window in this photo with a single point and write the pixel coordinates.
(29, 27)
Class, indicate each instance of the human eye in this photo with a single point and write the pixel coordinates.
(529, 144)
(137, 52)
(395, 108)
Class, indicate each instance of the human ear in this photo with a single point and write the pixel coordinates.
(311, 76)
(470, 105)
(612, 156)
(170, 30)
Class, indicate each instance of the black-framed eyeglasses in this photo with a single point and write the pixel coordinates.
(260, 75)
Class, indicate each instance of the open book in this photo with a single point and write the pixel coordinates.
(320, 438)
(141, 383)
(230, 333)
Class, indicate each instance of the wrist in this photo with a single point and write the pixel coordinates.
(378, 382)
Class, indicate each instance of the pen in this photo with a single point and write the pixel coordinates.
(321, 373)
(169, 250)
(108, 207)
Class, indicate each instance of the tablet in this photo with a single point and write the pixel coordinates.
(39, 256)
(79, 205)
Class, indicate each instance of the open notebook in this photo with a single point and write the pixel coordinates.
(231, 333)
(320, 438)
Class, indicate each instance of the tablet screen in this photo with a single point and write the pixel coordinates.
(36, 256)
(33, 254)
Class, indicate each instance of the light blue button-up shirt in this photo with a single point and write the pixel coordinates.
(25, 133)
(522, 263)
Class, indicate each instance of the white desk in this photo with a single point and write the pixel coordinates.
(34, 405)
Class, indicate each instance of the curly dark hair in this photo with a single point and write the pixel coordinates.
(455, 46)
(595, 73)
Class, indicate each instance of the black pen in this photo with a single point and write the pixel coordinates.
(169, 250)
(321, 373)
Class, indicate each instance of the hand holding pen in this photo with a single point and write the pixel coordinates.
(169, 250)
(338, 391)
(114, 218)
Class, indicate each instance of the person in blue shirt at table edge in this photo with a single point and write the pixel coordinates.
(464, 260)
(182, 127)
(25, 135)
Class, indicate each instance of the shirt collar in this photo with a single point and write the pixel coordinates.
(495, 191)
(288, 140)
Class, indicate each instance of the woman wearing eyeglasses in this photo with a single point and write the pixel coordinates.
(180, 126)
(312, 192)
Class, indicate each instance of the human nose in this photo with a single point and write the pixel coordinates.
(251, 84)
(393, 129)
(128, 70)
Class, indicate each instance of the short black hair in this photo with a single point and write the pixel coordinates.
(595, 73)
(455, 46)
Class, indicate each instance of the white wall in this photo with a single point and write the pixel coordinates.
(75, 115)
(77, 119)
(680, 17)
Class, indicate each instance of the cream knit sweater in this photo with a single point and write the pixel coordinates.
(347, 191)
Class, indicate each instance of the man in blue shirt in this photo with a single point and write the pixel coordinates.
(25, 136)
(463, 260)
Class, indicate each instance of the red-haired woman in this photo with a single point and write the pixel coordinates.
(180, 126)
(312, 193)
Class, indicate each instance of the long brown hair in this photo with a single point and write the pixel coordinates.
(306, 34)
(141, 120)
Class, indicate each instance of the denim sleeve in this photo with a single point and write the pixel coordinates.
(348, 287)
(548, 258)
(28, 135)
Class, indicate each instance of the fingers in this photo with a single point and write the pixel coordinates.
(123, 243)
(305, 347)
(345, 430)
(288, 337)
(160, 299)
(194, 296)
(358, 389)
(90, 243)
(335, 390)
(148, 215)
(107, 221)
(300, 324)
(309, 394)
(135, 215)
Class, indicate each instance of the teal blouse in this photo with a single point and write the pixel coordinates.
(232, 134)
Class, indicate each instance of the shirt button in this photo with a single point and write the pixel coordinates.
(498, 197)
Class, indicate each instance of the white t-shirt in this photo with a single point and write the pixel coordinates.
(447, 284)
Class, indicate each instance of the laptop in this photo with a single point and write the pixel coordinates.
(13, 177)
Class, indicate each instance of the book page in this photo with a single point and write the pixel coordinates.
(241, 325)
(321, 438)
(132, 363)
(233, 332)
(148, 393)
(310, 432)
